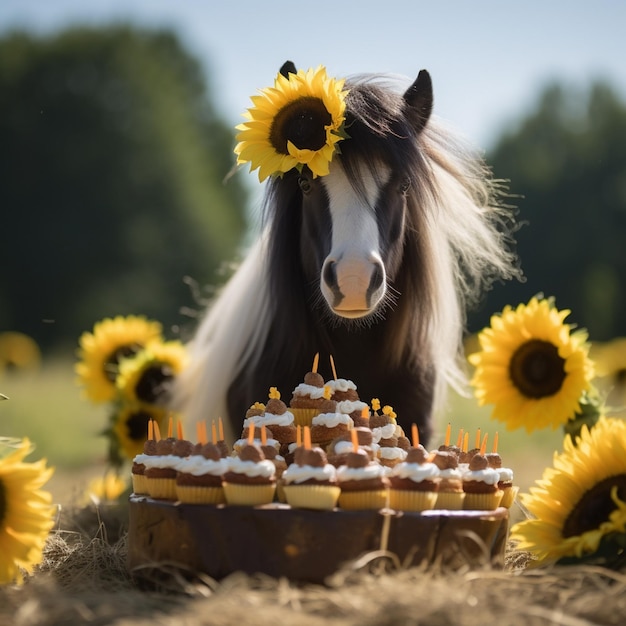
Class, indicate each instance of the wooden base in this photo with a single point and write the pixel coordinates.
(305, 545)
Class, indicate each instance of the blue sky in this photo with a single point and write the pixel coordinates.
(488, 58)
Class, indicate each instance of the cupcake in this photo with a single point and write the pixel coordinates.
(243, 440)
(250, 478)
(450, 495)
(138, 476)
(161, 469)
(280, 465)
(363, 483)
(199, 477)
(505, 480)
(276, 417)
(480, 484)
(329, 424)
(310, 482)
(357, 409)
(343, 389)
(339, 448)
(307, 397)
(385, 433)
(414, 482)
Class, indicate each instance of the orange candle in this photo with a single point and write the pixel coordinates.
(495, 443)
(459, 439)
(447, 441)
(179, 430)
(477, 442)
(483, 445)
(170, 427)
(332, 367)
(150, 430)
(298, 436)
(263, 435)
(316, 360)
(157, 431)
(355, 440)
(213, 433)
(251, 434)
(465, 442)
(205, 437)
(415, 436)
(199, 431)
(307, 438)
(221, 428)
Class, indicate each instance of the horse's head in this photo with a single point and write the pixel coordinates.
(353, 220)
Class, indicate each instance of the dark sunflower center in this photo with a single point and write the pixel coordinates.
(137, 425)
(111, 365)
(302, 122)
(154, 383)
(594, 507)
(536, 369)
(3, 503)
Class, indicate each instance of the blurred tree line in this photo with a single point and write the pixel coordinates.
(112, 163)
(566, 161)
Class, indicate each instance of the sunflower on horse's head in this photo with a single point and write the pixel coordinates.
(378, 227)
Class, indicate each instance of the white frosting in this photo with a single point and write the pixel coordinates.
(341, 384)
(310, 391)
(331, 420)
(263, 468)
(350, 406)
(165, 461)
(343, 447)
(415, 471)
(267, 419)
(197, 465)
(391, 453)
(506, 474)
(299, 473)
(384, 432)
(488, 475)
(371, 470)
(240, 443)
(140, 458)
(452, 473)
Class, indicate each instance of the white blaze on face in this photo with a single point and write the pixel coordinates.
(353, 276)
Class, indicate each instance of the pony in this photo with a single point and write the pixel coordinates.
(373, 265)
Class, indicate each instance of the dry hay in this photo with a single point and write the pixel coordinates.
(84, 580)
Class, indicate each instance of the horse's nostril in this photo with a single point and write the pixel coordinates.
(378, 276)
(330, 274)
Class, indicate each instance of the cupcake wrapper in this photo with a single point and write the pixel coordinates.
(162, 488)
(280, 491)
(194, 494)
(355, 500)
(249, 495)
(405, 500)
(450, 500)
(510, 493)
(482, 501)
(140, 484)
(321, 497)
(303, 417)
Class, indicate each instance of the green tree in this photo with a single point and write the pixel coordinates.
(112, 163)
(567, 163)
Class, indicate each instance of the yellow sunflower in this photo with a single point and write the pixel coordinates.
(147, 376)
(18, 351)
(580, 502)
(101, 351)
(130, 428)
(26, 512)
(531, 366)
(107, 488)
(297, 122)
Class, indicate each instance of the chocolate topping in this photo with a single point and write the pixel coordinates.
(251, 452)
(182, 448)
(445, 460)
(211, 451)
(315, 457)
(165, 446)
(357, 459)
(404, 443)
(270, 452)
(478, 462)
(275, 406)
(390, 442)
(328, 406)
(314, 379)
(455, 449)
(379, 420)
(495, 460)
(417, 455)
(466, 457)
(150, 447)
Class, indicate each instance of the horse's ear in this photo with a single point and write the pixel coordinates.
(288, 68)
(419, 98)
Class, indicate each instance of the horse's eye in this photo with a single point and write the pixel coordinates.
(305, 184)
(405, 185)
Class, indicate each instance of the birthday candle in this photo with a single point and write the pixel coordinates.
(179, 430)
(495, 443)
(307, 438)
(150, 429)
(316, 360)
(251, 434)
(298, 436)
(199, 431)
(263, 435)
(459, 439)
(221, 428)
(355, 440)
(465, 442)
(415, 436)
(157, 431)
(213, 433)
(332, 367)
(483, 445)
(447, 441)
(170, 427)
(477, 442)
